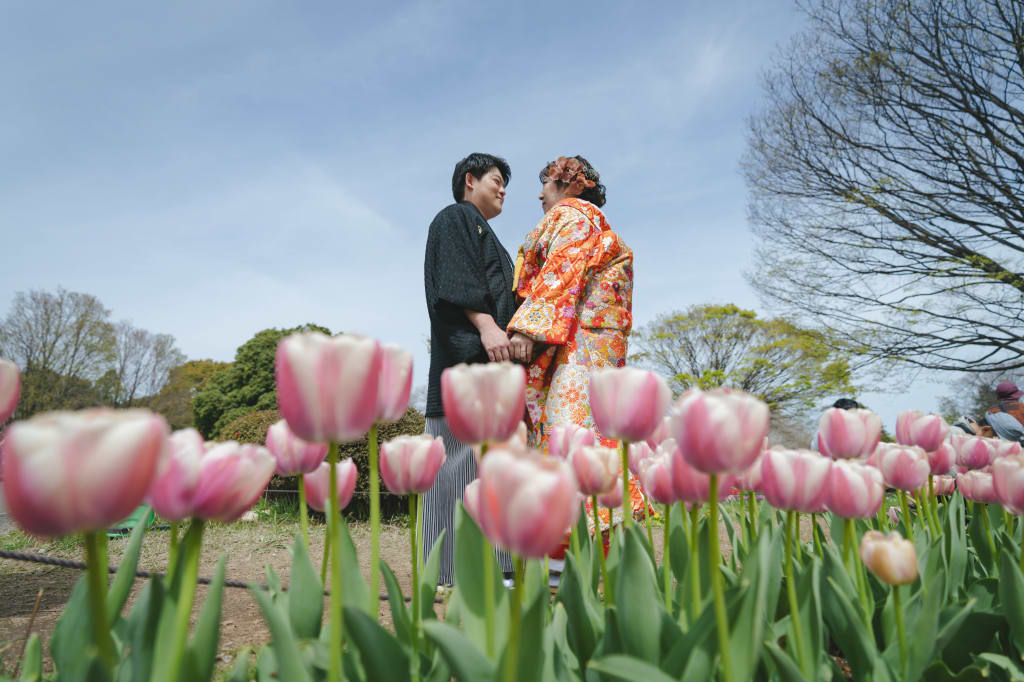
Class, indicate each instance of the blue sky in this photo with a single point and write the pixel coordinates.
(212, 169)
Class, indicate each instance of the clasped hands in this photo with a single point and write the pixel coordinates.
(507, 346)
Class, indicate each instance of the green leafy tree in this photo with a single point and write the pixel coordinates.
(247, 385)
(794, 370)
(184, 383)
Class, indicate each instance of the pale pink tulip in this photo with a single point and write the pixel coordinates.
(854, 491)
(848, 434)
(940, 460)
(10, 388)
(890, 557)
(944, 485)
(327, 387)
(1008, 479)
(656, 478)
(1005, 448)
(894, 516)
(232, 477)
(565, 438)
(294, 456)
(903, 466)
(318, 484)
(628, 403)
(526, 502)
(750, 478)
(471, 500)
(395, 383)
(638, 452)
(484, 403)
(719, 431)
(690, 484)
(174, 486)
(661, 433)
(612, 498)
(597, 468)
(409, 464)
(974, 452)
(926, 431)
(68, 472)
(520, 440)
(977, 486)
(795, 479)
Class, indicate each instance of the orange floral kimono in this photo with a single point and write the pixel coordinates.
(575, 278)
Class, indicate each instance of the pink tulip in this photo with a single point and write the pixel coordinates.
(940, 460)
(853, 490)
(69, 472)
(327, 387)
(484, 403)
(1008, 480)
(661, 433)
(628, 403)
(974, 452)
(520, 440)
(409, 464)
(565, 438)
(690, 484)
(637, 453)
(903, 466)
(890, 557)
(750, 478)
(795, 479)
(294, 456)
(656, 479)
(612, 498)
(944, 485)
(471, 500)
(848, 434)
(719, 431)
(894, 516)
(10, 388)
(926, 431)
(1005, 448)
(977, 486)
(231, 479)
(597, 468)
(395, 383)
(174, 486)
(526, 502)
(318, 484)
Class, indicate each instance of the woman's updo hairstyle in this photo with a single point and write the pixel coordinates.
(592, 191)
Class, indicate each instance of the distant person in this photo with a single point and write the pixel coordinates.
(1007, 417)
(842, 404)
(467, 277)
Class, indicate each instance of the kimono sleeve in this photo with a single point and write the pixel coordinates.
(455, 274)
(548, 311)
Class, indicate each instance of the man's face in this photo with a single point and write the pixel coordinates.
(487, 192)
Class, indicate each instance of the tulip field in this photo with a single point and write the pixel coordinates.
(913, 569)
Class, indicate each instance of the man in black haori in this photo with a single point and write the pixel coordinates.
(467, 277)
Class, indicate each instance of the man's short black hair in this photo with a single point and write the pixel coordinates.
(477, 164)
(846, 404)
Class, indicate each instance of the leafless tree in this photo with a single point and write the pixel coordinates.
(886, 177)
(142, 363)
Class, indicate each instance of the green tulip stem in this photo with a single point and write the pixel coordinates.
(374, 525)
(752, 510)
(413, 500)
(794, 614)
(715, 567)
(847, 541)
(335, 672)
(599, 547)
(172, 552)
(303, 512)
(647, 519)
(488, 597)
(419, 530)
(512, 655)
(862, 583)
(933, 506)
(988, 530)
(627, 508)
(924, 512)
(1007, 523)
(96, 560)
(907, 521)
(898, 612)
(191, 545)
(814, 535)
(574, 543)
(666, 559)
(327, 553)
(695, 595)
(1022, 556)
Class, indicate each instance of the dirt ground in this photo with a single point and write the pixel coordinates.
(249, 547)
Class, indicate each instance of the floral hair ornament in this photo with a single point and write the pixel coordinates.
(569, 172)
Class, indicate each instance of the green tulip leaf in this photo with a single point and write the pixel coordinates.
(1011, 597)
(583, 625)
(124, 578)
(382, 656)
(922, 633)
(73, 634)
(467, 663)
(286, 655)
(305, 594)
(399, 613)
(428, 579)
(760, 571)
(636, 599)
(356, 591)
(628, 669)
(240, 673)
(32, 662)
(201, 654)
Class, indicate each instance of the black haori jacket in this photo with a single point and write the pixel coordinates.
(465, 267)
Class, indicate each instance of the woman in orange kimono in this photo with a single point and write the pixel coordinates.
(575, 278)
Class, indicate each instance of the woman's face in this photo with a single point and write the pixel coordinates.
(550, 194)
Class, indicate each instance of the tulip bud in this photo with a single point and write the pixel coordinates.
(637, 453)
(894, 516)
(471, 500)
(1008, 480)
(10, 388)
(890, 557)
(484, 403)
(395, 383)
(612, 498)
(627, 403)
(926, 431)
(688, 483)
(974, 452)
(565, 438)
(597, 468)
(977, 486)
(719, 431)
(232, 477)
(327, 387)
(750, 478)
(318, 484)
(903, 466)
(174, 486)
(944, 485)
(854, 491)
(661, 433)
(795, 479)
(293, 455)
(1006, 448)
(656, 478)
(69, 472)
(847, 434)
(940, 460)
(526, 502)
(409, 464)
